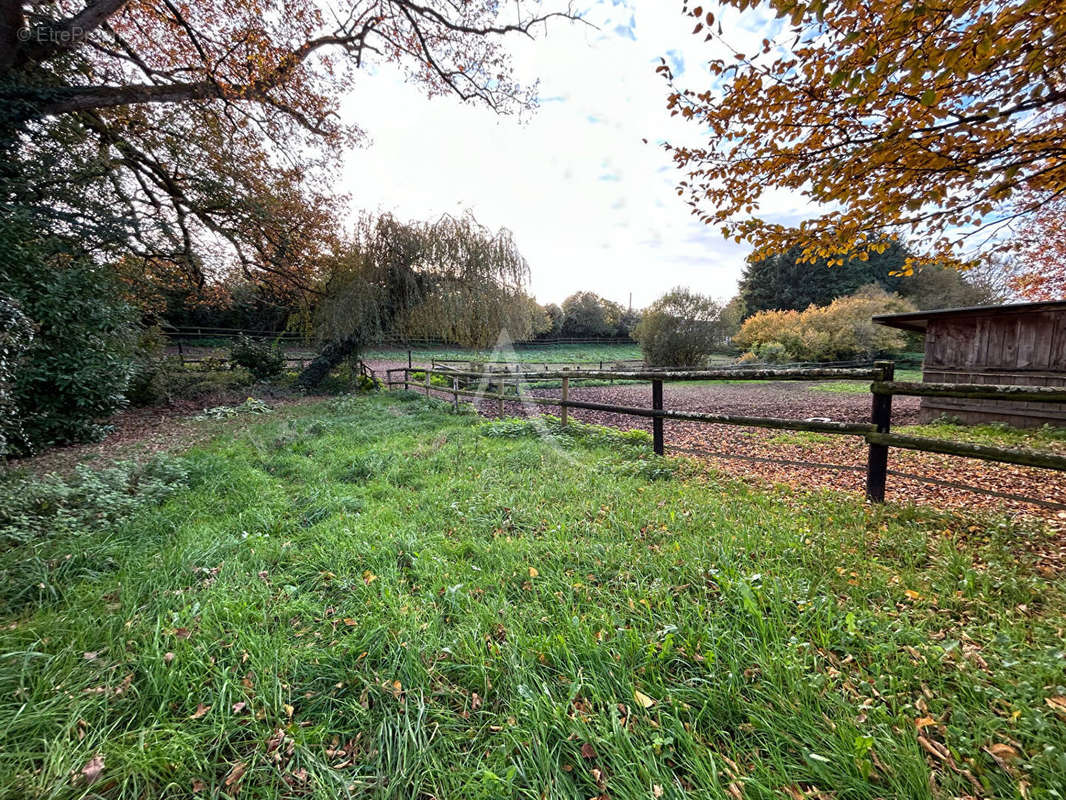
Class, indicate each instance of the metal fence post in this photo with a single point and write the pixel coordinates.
(877, 460)
(657, 422)
(564, 411)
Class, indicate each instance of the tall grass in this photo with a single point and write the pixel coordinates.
(377, 598)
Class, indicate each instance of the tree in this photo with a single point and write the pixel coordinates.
(921, 119)
(452, 279)
(195, 135)
(934, 286)
(1039, 260)
(784, 281)
(732, 317)
(680, 329)
(841, 330)
(587, 315)
(555, 318)
(627, 323)
(540, 323)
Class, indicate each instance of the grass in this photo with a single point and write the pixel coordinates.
(373, 597)
(1045, 437)
(863, 387)
(548, 353)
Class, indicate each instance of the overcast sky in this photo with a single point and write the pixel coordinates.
(591, 206)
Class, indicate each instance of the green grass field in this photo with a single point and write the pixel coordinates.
(863, 387)
(373, 597)
(548, 353)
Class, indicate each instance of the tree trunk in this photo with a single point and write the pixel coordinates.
(330, 356)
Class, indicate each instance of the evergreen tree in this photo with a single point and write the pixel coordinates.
(785, 283)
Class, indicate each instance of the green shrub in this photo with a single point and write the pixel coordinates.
(75, 373)
(148, 383)
(263, 359)
(771, 353)
(33, 507)
(680, 329)
(366, 384)
(16, 333)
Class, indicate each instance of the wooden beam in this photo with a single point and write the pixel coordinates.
(972, 391)
(1027, 458)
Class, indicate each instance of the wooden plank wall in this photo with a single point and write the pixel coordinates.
(1027, 348)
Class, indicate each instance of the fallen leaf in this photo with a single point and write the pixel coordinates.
(350, 622)
(656, 790)
(89, 656)
(168, 657)
(236, 773)
(588, 751)
(924, 722)
(92, 769)
(198, 786)
(533, 572)
(1002, 752)
(288, 710)
(122, 687)
(200, 711)
(182, 633)
(239, 707)
(369, 577)
(1057, 703)
(643, 699)
(913, 595)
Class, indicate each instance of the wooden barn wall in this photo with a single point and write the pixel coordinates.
(1024, 348)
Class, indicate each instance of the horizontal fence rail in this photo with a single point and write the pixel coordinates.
(726, 373)
(974, 391)
(876, 433)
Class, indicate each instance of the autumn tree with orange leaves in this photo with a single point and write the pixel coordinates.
(1039, 257)
(918, 120)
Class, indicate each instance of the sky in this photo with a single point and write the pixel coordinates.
(591, 206)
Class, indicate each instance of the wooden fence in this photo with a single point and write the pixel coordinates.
(877, 432)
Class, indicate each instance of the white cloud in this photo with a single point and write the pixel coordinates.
(591, 205)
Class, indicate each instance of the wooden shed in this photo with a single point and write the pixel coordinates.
(1020, 343)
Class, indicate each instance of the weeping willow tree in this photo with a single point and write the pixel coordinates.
(452, 279)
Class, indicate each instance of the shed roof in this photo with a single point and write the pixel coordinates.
(919, 320)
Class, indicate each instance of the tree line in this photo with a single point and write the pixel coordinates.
(164, 159)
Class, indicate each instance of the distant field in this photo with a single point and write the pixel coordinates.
(549, 353)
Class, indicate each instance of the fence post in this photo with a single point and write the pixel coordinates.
(881, 416)
(657, 422)
(407, 372)
(564, 412)
(455, 393)
(427, 381)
